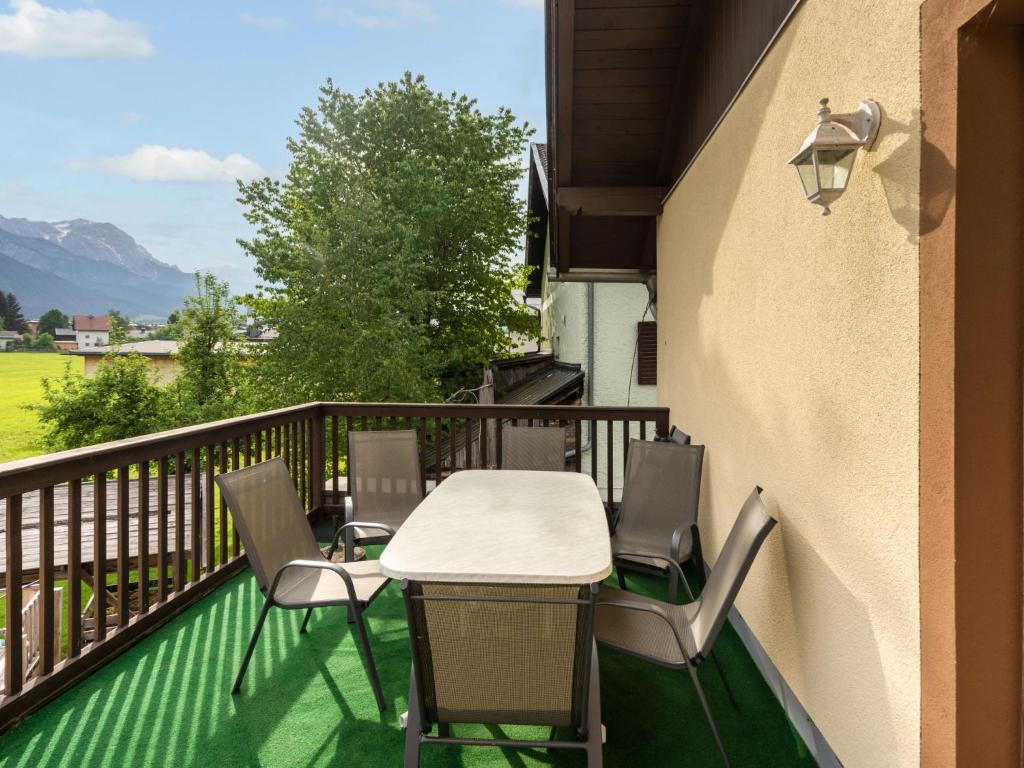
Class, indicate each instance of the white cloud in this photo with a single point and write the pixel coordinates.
(153, 162)
(130, 117)
(263, 22)
(37, 32)
(378, 14)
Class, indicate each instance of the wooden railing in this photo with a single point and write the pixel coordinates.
(140, 526)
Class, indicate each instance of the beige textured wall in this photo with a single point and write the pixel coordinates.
(790, 347)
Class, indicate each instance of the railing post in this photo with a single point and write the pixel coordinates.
(13, 649)
(316, 458)
(661, 426)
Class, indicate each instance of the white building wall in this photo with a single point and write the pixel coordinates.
(618, 307)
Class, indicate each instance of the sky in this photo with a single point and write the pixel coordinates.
(142, 114)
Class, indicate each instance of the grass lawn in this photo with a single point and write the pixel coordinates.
(21, 375)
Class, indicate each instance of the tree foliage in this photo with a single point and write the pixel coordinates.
(52, 320)
(121, 400)
(210, 385)
(118, 327)
(10, 311)
(386, 251)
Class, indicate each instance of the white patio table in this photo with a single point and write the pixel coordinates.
(504, 527)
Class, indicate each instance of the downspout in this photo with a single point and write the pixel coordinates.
(590, 356)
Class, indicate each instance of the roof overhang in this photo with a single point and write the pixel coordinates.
(634, 89)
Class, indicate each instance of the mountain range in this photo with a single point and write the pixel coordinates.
(85, 267)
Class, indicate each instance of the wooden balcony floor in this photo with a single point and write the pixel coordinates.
(306, 702)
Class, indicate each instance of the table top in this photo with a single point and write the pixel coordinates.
(505, 527)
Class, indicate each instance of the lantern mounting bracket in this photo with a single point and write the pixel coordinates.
(862, 122)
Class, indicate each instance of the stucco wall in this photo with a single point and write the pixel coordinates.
(790, 348)
(618, 307)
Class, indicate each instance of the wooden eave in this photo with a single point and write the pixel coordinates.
(634, 88)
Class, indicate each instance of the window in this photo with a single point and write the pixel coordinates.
(647, 353)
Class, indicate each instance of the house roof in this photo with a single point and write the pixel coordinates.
(9, 335)
(153, 348)
(544, 387)
(91, 323)
(537, 202)
(63, 333)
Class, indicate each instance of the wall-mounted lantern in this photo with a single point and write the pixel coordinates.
(825, 159)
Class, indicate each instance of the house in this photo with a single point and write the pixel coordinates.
(8, 339)
(586, 319)
(160, 355)
(863, 366)
(91, 330)
(33, 328)
(65, 339)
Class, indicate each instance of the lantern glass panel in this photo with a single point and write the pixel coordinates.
(805, 167)
(834, 166)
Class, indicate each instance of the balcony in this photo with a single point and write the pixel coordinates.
(143, 677)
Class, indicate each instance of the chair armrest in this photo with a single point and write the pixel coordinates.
(323, 565)
(671, 563)
(657, 610)
(341, 532)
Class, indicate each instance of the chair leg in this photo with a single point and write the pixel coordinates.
(595, 745)
(707, 713)
(673, 586)
(305, 621)
(444, 730)
(622, 577)
(371, 667)
(413, 726)
(721, 674)
(252, 645)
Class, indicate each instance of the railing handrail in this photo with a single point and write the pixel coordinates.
(498, 411)
(54, 468)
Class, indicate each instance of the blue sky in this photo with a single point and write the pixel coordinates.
(140, 113)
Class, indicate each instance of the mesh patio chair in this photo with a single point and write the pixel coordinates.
(536, 448)
(503, 655)
(676, 636)
(384, 481)
(289, 567)
(658, 513)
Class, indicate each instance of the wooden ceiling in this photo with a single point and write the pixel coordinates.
(624, 77)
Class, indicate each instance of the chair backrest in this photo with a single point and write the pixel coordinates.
(384, 475)
(741, 547)
(538, 448)
(676, 435)
(501, 654)
(269, 517)
(661, 492)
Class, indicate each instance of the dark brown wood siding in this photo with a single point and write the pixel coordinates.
(647, 353)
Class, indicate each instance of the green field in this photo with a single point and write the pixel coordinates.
(21, 375)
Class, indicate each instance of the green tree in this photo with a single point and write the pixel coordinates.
(386, 252)
(210, 385)
(52, 320)
(10, 308)
(43, 341)
(118, 327)
(121, 400)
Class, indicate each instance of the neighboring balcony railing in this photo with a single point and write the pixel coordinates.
(134, 531)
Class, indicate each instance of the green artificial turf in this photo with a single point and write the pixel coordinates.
(306, 702)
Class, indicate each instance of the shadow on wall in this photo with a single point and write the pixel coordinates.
(856, 681)
(902, 190)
